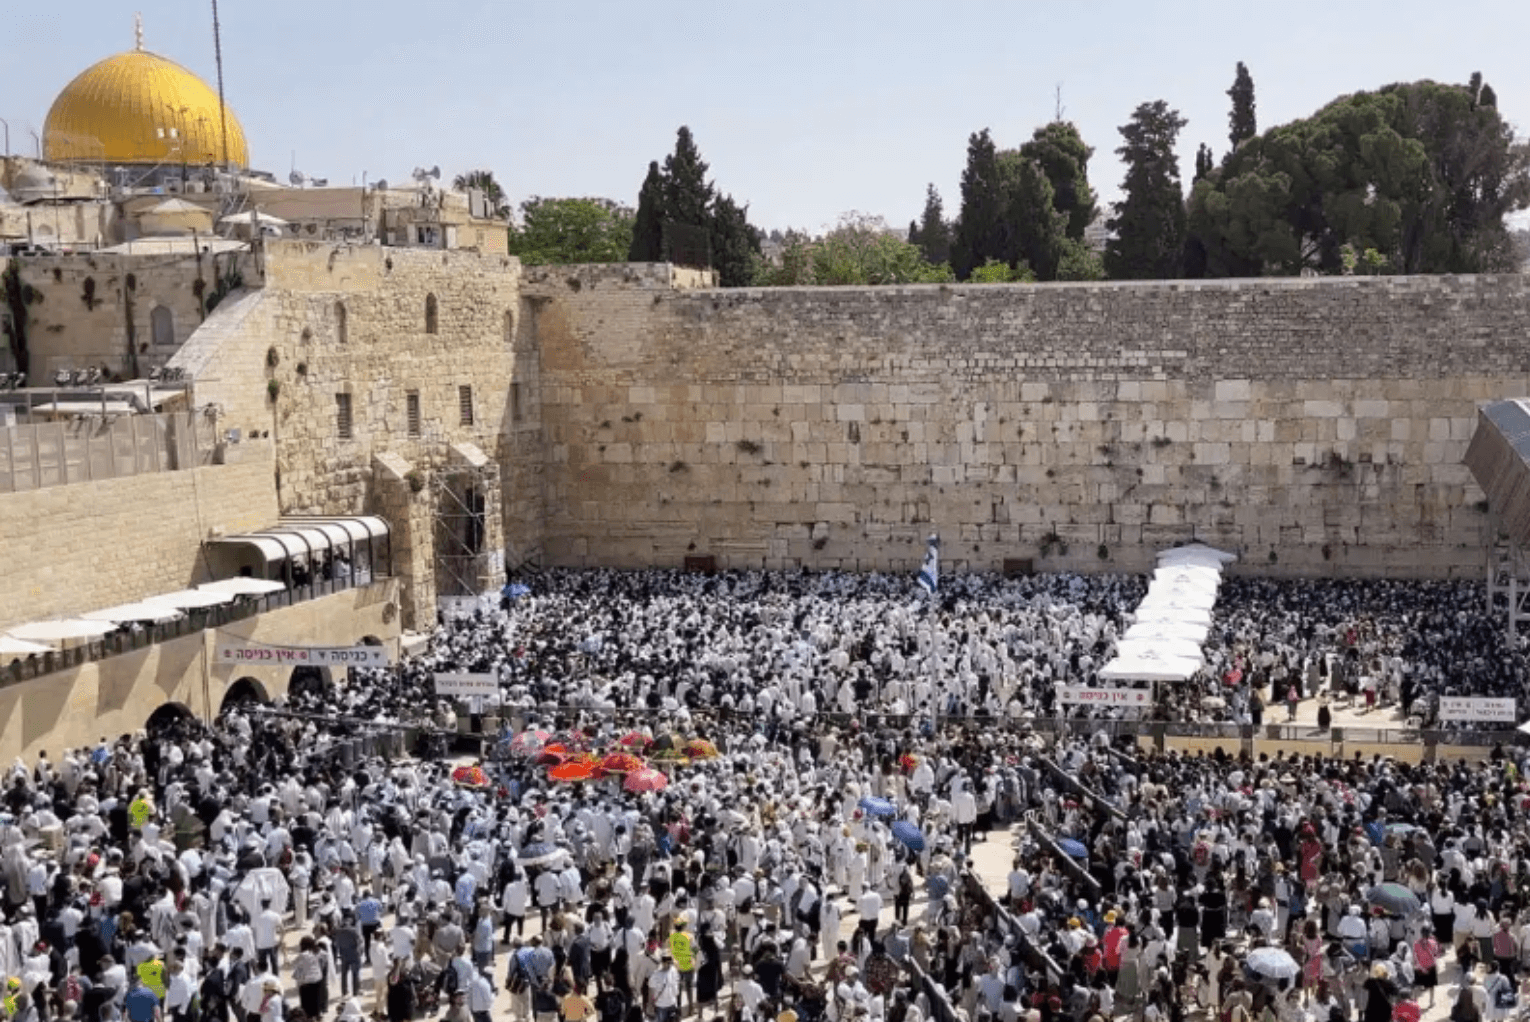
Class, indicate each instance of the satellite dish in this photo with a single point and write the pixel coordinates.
(382, 186)
(435, 172)
(296, 177)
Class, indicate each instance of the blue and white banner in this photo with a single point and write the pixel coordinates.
(929, 571)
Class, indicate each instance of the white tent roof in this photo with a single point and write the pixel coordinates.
(191, 599)
(1165, 628)
(1195, 552)
(243, 586)
(249, 215)
(1175, 596)
(10, 646)
(1170, 612)
(1187, 576)
(61, 630)
(1132, 649)
(127, 612)
(1149, 668)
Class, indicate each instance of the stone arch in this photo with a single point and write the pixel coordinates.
(432, 315)
(341, 324)
(242, 691)
(168, 713)
(162, 327)
(307, 680)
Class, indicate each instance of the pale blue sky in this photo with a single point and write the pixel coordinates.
(804, 110)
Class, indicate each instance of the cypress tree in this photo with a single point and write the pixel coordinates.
(980, 232)
(933, 235)
(1240, 121)
(648, 226)
(1149, 222)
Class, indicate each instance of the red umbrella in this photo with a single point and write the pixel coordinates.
(528, 742)
(621, 763)
(572, 772)
(473, 776)
(646, 779)
(548, 757)
(700, 748)
(634, 740)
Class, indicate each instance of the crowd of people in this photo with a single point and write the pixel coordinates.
(813, 857)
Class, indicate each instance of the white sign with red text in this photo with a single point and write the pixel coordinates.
(1084, 695)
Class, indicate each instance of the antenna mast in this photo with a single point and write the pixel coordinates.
(222, 110)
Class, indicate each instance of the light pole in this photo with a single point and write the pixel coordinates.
(38, 140)
(7, 135)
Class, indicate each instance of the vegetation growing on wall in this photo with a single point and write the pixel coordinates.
(18, 295)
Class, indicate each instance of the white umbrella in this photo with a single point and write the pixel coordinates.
(243, 586)
(1174, 596)
(1166, 628)
(249, 215)
(193, 599)
(1172, 612)
(1149, 667)
(10, 646)
(128, 612)
(1199, 580)
(1196, 551)
(61, 630)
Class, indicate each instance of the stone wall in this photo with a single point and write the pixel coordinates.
(333, 321)
(1316, 426)
(74, 708)
(101, 310)
(91, 545)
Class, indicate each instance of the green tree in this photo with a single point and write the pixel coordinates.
(687, 192)
(860, 250)
(1033, 227)
(1204, 164)
(995, 272)
(735, 244)
(483, 180)
(1148, 229)
(1422, 173)
(980, 233)
(572, 231)
(1078, 261)
(1059, 150)
(1240, 121)
(648, 226)
(933, 233)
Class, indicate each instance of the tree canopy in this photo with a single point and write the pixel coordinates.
(861, 249)
(1148, 229)
(572, 231)
(682, 218)
(1421, 173)
(484, 181)
(1241, 123)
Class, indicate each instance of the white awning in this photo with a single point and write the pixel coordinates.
(192, 599)
(300, 537)
(1195, 552)
(1166, 629)
(134, 612)
(11, 646)
(61, 630)
(243, 586)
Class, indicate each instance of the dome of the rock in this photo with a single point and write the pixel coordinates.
(140, 108)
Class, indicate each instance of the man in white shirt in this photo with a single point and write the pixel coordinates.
(664, 990)
(869, 907)
(480, 996)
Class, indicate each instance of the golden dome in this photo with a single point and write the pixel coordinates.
(138, 107)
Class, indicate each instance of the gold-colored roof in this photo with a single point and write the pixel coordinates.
(138, 107)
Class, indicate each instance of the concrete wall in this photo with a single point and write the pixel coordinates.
(1316, 426)
(99, 310)
(114, 696)
(87, 546)
(335, 320)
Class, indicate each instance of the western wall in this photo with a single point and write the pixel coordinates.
(1316, 426)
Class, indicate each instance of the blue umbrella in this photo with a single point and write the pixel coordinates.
(1073, 848)
(878, 806)
(515, 590)
(909, 835)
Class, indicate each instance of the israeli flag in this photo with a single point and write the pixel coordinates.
(929, 571)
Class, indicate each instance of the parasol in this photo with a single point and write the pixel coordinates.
(700, 748)
(634, 740)
(620, 763)
(1073, 848)
(549, 757)
(646, 779)
(878, 806)
(572, 771)
(539, 854)
(572, 740)
(527, 742)
(909, 835)
(470, 777)
(515, 590)
(1273, 963)
(1393, 898)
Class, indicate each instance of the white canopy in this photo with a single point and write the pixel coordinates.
(249, 215)
(1194, 552)
(1185, 576)
(1170, 612)
(10, 646)
(1181, 648)
(133, 612)
(61, 630)
(192, 599)
(1166, 628)
(1147, 667)
(243, 586)
(1175, 596)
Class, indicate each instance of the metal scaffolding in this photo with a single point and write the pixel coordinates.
(1508, 578)
(460, 531)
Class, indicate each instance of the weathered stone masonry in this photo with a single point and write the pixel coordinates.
(1316, 426)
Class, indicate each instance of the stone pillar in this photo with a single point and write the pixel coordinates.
(401, 496)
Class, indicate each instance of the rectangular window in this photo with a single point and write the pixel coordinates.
(515, 402)
(465, 404)
(343, 416)
(412, 411)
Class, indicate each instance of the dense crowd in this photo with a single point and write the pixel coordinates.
(829, 764)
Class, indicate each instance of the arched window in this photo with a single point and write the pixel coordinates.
(162, 325)
(340, 325)
(430, 314)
